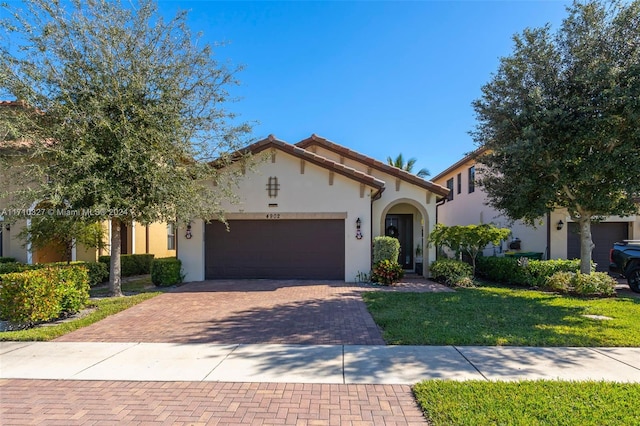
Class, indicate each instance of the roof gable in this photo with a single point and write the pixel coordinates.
(271, 142)
(373, 163)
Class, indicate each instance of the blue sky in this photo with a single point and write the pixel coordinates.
(378, 77)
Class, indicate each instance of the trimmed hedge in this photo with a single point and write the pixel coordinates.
(452, 272)
(131, 264)
(7, 259)
(97, 272)
(8, 268)
(504, 270)
(166, 271)
(43, 294)
(525, 272)
(385, 248)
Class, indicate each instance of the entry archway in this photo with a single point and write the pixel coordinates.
(409, 220)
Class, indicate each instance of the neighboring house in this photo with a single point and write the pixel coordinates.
(310, 211)
(556, 235)
(158, 238)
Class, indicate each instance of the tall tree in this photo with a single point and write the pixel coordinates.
(408, 166)
(561, 120)
(132, 110)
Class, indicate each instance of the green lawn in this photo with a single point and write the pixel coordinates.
(502, 316)
(138, 291)
(528, 403)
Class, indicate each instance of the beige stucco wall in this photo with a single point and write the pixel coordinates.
(158, 243)
(11, 244)
(304, 194)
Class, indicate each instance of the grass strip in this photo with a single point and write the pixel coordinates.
(502, 316)
(542, 402)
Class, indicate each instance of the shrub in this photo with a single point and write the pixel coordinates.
(7, 259)
(73, 284)
(29, 297)
(131, 264)
(509, 270)
(166, 271)
(43, 294)
(387, 272)
(452, 272)
(98, 272)
(543, 269)
(560, 281)
(505, 270)
(385, 248)
(8, 268)
(594, 284)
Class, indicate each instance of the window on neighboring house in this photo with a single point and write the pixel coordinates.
(472, 179)
(450, 186)
(459, 179)
(171, 236)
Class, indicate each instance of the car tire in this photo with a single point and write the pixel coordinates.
(633, 278)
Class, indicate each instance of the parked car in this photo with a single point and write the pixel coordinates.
(625, 260)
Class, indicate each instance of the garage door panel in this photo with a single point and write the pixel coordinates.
(278, 249)
(603, 234)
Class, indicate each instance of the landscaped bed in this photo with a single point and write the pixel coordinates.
(494, 315)
(96, 310)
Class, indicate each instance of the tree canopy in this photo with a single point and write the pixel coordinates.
(408, 166)
(560, 119)
(131, 111)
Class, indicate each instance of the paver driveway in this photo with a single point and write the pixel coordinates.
(229, 312)
(250, 311)
(244, 311)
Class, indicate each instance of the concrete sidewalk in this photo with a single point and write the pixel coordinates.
(333, 364)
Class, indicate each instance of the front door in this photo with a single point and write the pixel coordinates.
(400, 226)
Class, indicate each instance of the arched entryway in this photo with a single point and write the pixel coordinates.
(407, 220)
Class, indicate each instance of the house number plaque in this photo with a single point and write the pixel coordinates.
(273, 216)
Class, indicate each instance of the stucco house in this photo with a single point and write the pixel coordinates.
(310, 210)
(556, 236)
(157, 239)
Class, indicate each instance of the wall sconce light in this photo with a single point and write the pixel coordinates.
(560, 225)
(7, 227)
(188, 233)
(358, 231)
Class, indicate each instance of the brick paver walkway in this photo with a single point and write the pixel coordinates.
(51, 402)
(250, 311)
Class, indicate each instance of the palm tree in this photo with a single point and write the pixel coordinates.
(408, 167)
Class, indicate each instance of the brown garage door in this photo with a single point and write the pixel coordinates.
(603, 235)
(277, 249)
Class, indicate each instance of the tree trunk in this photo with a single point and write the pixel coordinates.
(115, 288)
(586, 244)
(68, 251)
